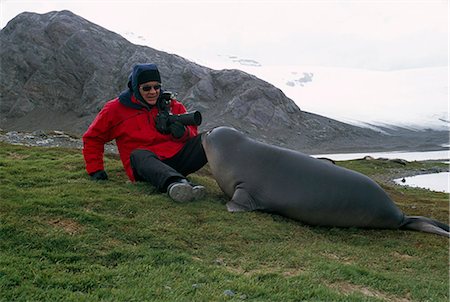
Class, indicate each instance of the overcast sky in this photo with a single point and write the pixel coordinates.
(382, 35)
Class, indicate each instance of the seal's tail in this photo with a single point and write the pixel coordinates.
(424, 224)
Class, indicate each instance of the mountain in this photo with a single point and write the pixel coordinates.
(359, 96)
(58, 69)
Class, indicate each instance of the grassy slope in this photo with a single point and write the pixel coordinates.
(66, 238)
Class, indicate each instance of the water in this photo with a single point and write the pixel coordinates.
(436, 181)
(409, 156)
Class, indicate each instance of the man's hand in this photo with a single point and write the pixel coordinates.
(99, 175)
(177, 129)
(162, 122)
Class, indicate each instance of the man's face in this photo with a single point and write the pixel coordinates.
(150, 91)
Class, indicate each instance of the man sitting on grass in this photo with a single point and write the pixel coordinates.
(162, 158)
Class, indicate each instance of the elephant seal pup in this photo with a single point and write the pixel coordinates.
(263, 177)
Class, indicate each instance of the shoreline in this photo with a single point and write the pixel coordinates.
(56, 138)
(438, 155)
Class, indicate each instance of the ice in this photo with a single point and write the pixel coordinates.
(410, 98)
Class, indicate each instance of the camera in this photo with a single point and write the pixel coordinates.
(190, 118)
(165, 118)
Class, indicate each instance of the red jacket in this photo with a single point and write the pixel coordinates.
(133, 127)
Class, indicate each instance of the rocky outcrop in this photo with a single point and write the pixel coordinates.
(58, 69)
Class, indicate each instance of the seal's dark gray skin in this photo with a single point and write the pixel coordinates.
(263, 177)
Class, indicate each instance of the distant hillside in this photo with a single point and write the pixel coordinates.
(58, 69)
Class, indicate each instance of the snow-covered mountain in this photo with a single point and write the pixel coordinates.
(411, 98)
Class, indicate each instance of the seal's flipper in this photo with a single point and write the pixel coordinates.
(241, 202)
(425, 224)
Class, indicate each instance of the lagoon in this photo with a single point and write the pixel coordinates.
(436, 182)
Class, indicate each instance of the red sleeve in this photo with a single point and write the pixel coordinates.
(192, 131)
(95, 138)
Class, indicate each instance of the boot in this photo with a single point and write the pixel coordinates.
(184, 191)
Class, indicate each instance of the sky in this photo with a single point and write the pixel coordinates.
(376, 35)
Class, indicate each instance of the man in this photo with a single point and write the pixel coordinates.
(151, 148)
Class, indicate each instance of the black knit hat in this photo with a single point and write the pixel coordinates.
(149, 76)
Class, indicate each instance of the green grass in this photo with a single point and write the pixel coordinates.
(66, 238)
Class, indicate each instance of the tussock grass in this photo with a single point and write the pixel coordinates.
(66, 238)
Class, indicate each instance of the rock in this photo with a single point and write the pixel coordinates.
(399, 161)
(229, 293)
(219, 261)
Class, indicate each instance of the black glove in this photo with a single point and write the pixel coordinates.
(177, 129)
(162, 122)
(99, 175)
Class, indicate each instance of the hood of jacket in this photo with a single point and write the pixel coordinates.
(133, 87)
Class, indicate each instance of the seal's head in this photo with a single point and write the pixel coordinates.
(222, 147)
(220, 140)
(221, 137)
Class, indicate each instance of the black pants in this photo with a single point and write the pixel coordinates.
(148, 167)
